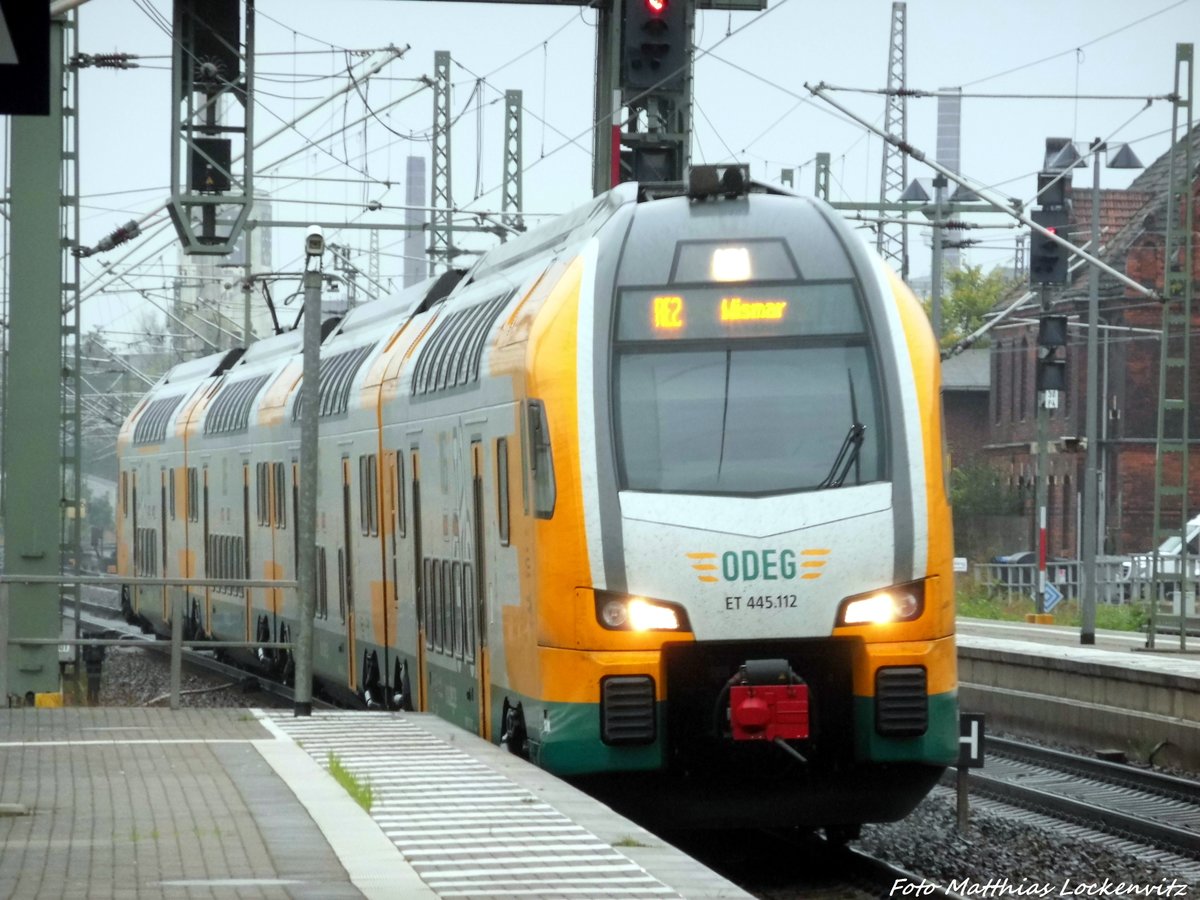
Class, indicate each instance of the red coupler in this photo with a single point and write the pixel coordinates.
(765, 712)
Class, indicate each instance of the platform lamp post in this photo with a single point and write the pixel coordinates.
(1122, 158)
(306, 528)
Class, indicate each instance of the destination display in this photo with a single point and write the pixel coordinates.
(690, 313)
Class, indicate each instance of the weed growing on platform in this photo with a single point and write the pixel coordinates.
(359, 790)
(629, 842)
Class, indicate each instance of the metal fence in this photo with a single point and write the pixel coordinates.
(1012, 580)
(178, 643)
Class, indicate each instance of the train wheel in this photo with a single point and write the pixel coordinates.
(514, 736)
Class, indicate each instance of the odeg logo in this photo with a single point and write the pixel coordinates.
(759, 565)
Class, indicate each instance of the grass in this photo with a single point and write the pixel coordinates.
(974, 601)
(629, 842)
(356, 788)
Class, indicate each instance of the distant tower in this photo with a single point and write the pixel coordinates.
(892, 240)
(949, 136)
(416, 264)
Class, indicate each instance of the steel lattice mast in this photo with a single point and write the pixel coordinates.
(891, 240)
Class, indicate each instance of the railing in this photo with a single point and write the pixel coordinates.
(178, 644)
(1119, 580)
(1021, 579)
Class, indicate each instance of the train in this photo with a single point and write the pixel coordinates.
(653, 495)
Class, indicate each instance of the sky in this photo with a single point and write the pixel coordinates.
(750, 106)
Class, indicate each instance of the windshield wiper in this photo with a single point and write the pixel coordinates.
(848, 453)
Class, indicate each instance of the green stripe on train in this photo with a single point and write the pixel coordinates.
(937, 746)
(564, 738)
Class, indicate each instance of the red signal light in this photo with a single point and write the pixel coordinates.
(1052, 230)
(658, 7)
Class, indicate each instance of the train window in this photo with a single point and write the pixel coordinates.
(427, 601)
(171, 492)
(502, 520)
(452, 354)
(193, 494)
(445, 606)
(342, 583)
(125, 494)
(322, 604)
(368, 495)
(151, 427)
(401, 512)
(281, 493)
(458, 633)
(541, 461)
(747, 417)
(469, 613)
(260, 492)
(230, 411)
(145, 552)
(337, 373)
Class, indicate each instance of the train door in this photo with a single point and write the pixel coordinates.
(345, 570)
(393, 474)
(475, 595)
(419, 587)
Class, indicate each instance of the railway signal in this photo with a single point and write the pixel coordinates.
(654, 44)
(1048, 258)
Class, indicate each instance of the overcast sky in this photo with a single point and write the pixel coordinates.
(750, 102)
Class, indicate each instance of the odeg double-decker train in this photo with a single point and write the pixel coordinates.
(652, 495)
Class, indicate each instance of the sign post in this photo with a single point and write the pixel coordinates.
(970, 756)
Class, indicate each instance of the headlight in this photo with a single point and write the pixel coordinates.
(618, 612)
(896, 604)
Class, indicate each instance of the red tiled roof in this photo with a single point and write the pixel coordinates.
(1117, 207)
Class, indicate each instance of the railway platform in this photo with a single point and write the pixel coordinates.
(1115, 694)
(138, 803)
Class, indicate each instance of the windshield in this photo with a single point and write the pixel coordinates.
(750, 415)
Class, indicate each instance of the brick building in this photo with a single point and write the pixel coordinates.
(1132, 240)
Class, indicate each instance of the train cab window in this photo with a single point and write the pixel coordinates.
(771, 391)
(502, 515)
(541, 460)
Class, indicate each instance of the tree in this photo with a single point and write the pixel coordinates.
(972, 296)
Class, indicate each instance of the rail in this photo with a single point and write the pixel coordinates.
(178, 643)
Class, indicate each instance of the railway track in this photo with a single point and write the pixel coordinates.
(773, 863)
(1142, 804)
(100, 617)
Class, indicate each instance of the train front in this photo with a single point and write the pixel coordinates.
(767, 526)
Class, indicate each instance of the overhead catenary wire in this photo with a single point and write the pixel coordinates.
(985, 195)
